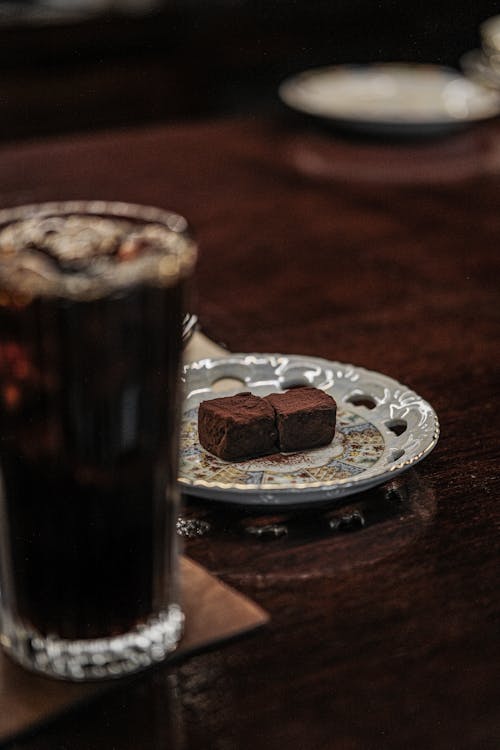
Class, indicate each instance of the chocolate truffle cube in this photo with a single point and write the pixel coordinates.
(237, 427)
(305, 418)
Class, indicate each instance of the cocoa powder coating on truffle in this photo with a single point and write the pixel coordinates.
(305, 418)
(236, 428)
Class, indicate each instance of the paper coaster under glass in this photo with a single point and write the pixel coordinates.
(382, 429)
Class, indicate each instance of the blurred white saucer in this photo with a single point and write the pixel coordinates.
(391, 98)
(482, 68)
(489, 31)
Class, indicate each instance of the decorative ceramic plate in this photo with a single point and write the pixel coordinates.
(390, 98)
(189, 323)
(382, 429)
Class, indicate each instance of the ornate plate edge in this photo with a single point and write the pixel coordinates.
(336, 488)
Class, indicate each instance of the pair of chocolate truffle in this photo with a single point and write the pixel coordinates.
(237, 428)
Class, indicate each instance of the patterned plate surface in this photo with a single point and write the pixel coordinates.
(382, 429)
(189, 323)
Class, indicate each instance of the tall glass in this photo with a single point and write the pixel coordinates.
(91, 306)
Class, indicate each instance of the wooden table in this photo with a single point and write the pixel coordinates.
(383, 635)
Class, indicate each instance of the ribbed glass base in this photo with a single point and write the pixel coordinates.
(100, 658)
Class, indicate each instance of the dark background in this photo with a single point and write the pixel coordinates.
(190, 58)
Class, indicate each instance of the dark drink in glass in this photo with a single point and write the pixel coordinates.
(91, 306)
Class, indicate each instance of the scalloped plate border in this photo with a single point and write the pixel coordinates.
(394, 404)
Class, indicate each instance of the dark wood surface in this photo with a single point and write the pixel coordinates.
(383, 635)
(196, 58)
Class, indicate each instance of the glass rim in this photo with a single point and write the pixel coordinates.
(163, 268)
